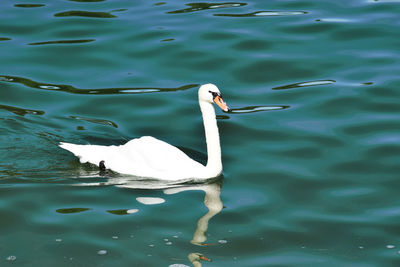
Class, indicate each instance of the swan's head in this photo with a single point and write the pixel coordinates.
(210, 93)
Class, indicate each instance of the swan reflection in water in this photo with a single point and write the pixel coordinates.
(212, 201)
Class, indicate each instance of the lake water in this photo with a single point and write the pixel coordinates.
(310, 150)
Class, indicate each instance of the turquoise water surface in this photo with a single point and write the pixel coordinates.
(310, 149)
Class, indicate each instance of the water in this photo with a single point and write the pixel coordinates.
(310, 149)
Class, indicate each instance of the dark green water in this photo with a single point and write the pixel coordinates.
(310, 151)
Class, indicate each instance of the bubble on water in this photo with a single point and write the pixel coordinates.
(115, 237)
(175, 236)
(102, 252)
(361, 247)
(168, 243)
(58, 240)
(222, 241)
(166, 239)
(11, 258)
(151, 245)
(390, 246)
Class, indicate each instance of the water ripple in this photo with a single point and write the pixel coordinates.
(63, 42)
(103, 91)
(253, 109)
(123, 211)
(335, 20)
(168, 40)
(383, 1)
(265, 14)
(87, 1)
(90, 14)
(97, 121)
(304, 84)
(29, 5)
(21, 111)
(204, 6)
(71, 210)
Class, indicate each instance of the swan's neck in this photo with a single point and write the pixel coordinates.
(214, 163)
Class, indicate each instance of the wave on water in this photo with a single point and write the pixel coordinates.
(304, 84)
(90, 14)
(21, 111)
(87, 1)
(265, 14)
(102, 91)
(97, 121)
(29, 5)
(63, 42)
(205, 6)
(253, 109)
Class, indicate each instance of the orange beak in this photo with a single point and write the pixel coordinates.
(220, 102)
(204, 258)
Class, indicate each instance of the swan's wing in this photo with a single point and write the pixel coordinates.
(145, 156)
(159, 156)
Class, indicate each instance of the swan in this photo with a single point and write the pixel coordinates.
(149, 157)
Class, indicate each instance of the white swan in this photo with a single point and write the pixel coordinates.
(153, 158)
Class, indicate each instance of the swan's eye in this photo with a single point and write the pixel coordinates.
(214, 94)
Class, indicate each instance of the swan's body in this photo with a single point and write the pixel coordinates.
(153, 158)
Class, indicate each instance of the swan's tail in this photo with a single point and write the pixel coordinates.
(85, 153)
(74, 149)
